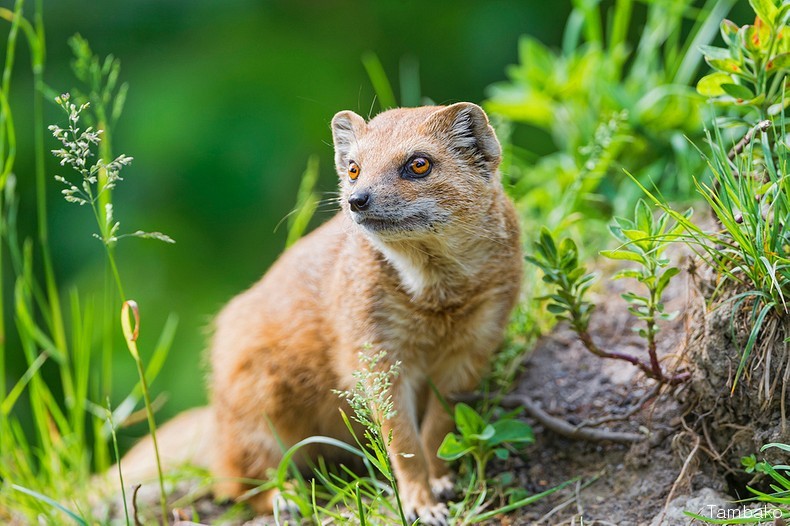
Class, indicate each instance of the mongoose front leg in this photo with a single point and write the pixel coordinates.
(436, 423)
(409, 462)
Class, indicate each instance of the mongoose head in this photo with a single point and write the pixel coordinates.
(414, 172)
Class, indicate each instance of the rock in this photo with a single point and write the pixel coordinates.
(699, 502)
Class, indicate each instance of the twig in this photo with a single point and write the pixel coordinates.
(556, 509)
(561, 427)
(579, 507)
(575, 498)
(680, 477)
(135, 489)
(761, 126)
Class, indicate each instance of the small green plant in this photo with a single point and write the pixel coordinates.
(475, 444)
(643, 241)
(481, 440)
(778, 499)
(371, 402)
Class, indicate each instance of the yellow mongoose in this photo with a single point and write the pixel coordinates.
(423, 262)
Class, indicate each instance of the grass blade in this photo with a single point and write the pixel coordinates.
(43, 498)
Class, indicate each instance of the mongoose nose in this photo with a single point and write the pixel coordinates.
(359, 201)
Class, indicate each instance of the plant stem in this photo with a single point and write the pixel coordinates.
(651, 371)
(4, 116)
(130, 334)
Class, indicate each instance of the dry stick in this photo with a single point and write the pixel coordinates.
(135, 489)
(561, 427)
(686, 464)
(575, 498)
(761, 126)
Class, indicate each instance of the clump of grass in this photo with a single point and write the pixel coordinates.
(777, 499)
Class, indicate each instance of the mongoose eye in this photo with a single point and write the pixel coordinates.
(418, 167)
(353, 171)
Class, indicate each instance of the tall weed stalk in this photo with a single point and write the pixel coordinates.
(53, 433)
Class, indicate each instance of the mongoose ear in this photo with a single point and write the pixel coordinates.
(347, 126)
(469, 131)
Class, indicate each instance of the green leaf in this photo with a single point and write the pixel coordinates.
(511, 431)
(488, 432)
(781, 61)
(548, 245)
(778, 445)
(754, 38)
(627, 273)
(630, 297)
(468, 421)
(43, 498)
(576, 273)
(726, 65)
(556, 309)
(716, 52)
(729, 31)
(501, 453)
(568, 254)
(663, 281)
(738, 91)
(622, 254)
(710, 85)
(765, 9)
(749, 463)
(643, 216)
(452, 448)
(640, 236)
(776, 109)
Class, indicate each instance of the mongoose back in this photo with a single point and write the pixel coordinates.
(422, 263)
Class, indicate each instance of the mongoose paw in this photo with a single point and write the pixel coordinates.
(430, 515)
(443, 488)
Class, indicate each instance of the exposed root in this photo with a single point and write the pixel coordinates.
(557, 425)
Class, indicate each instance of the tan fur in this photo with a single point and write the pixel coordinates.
(428, 274)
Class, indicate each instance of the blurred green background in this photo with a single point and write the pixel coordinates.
(227, 101)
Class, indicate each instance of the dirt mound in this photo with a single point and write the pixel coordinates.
(736, 423)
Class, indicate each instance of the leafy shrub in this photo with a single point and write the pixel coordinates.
(607, 105)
